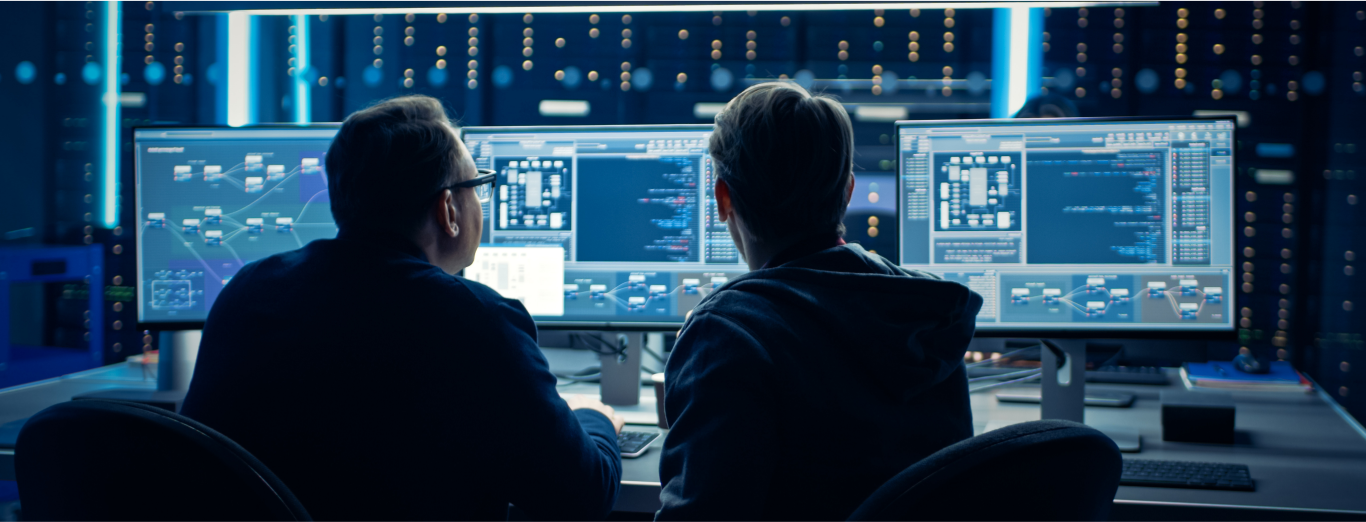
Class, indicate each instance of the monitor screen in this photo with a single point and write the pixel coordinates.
(602, 227)
(1075, 225)
(210, 200)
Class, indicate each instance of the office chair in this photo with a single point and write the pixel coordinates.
(116, 460)
(1041, 470)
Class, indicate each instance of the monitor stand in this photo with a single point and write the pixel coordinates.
(1063, 390)
(176, 355)
(620, 378)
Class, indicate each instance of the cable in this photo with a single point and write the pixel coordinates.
(597, 345)
(1003, 356)
(651, 353)
(1005, 375)
(1058, 353)
(1006, 383)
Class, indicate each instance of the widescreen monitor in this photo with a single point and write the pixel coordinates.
(1078, 227)
(211, 200)
(602, 227)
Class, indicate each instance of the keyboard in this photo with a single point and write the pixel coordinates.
(1181, 474)
(634, 443)
(1127, 375)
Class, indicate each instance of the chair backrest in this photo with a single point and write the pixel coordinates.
(116, 460)
(1041, 470)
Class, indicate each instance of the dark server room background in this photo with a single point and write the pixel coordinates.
(1291, 71)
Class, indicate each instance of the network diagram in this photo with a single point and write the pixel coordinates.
(1093, 299)
(203, 222)
(1204, 295)
(620, 295)
(1147, 299)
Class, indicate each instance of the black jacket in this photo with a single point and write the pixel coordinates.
(378, 387)
(794, 392)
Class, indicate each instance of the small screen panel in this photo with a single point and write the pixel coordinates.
(623, 217)
(211, 200)
(1115, 225)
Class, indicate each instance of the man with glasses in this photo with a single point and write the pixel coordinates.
(375, 382)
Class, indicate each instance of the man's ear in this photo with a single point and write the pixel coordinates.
(723, 203)
(446, 215)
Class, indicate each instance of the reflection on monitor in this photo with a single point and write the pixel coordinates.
(1118, 225)
(231, 196)
(629, 210)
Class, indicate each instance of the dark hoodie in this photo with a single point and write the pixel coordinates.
(794, 392)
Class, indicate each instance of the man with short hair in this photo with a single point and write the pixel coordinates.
(376, 383)
(796, 390)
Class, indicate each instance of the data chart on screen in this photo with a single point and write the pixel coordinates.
(1075, 224)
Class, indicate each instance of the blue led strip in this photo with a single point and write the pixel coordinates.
(109, 182)
(303, 102)
(1017, 58)
(241, 80)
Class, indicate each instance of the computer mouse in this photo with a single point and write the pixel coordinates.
(1246, 363)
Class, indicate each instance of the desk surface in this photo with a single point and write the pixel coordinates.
(1307, 458)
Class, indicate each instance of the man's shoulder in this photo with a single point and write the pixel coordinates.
(744, 298)
(467, 297)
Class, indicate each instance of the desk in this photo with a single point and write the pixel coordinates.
(1309, 462)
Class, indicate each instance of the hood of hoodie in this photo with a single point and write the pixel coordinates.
(911, 327)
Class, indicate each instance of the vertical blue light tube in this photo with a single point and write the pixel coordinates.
(220, 69)
(109, 179)
(1016, 58)
(241, 77)
(303, 101)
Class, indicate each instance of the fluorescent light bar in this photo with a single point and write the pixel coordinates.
(109, 189)
(133, 100)
(1019, 60)
(564, 108)
(240, 102)
(1274, 177)
(881, 113)
(707, 110)
(303, 101)
(677, 8)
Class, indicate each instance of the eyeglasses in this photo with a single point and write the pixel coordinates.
(482, 184)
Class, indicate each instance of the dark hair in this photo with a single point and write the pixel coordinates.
(787, 156)
(388, 161)
(1048, 106)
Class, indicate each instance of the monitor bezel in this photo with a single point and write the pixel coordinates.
(619, 326)
(163, 325)
(1059, 331)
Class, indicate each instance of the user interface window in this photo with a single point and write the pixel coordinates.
(1075, 225)
(602, 224)
(209, 201)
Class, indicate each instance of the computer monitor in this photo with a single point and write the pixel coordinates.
(210, 200)
(1076, 227)
(602, 227)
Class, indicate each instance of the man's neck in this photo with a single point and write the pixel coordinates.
(794, 249)
(758, 254)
